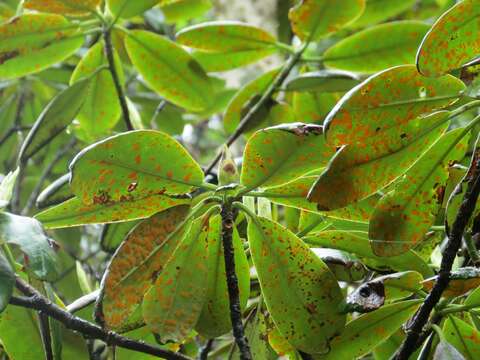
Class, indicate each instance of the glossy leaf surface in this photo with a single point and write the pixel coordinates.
(162, 63)
(33, 42)
(388, 99)
(131, 166)
(464, 337)
(452, 41)
(317, 18)
(308, 315)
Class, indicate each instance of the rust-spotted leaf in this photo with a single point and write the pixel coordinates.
(280, 154)
(173, 304)
(33, 42)
(356, 172)
(452, 41)
(309, 314)
(138, 260)
(463, 336)
(214, 319)
(404, 215)
(74, 212)
(63, 7)
(313, 19)
(388, 99)
(131, 166)
(162, 63)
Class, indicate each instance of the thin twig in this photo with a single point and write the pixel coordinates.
(116, 80)
(232, 282)
(276, 83)
(206, 350)
(464, 214)
(83, 302)
(38, 302)
(46, 336)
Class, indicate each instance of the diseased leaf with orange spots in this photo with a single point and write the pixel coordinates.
(225, 45)
(114, 234)
(356, 242)
(63, 7)
(463, 336)
(280, 154)
(74, 212)
(377, 48)
(214, 319)
(295, 193)
(173, 304)
(162, 63)
(386, 100)
(131, 166)
(183, 10)
(33, 42)
(404, 215)
(101, 109)
(225, 36)
(129, 8)
(356, 172)
(317, 18)
(136, 264)
(313, 107)
(378, 10)
(379, 325)
(309, 313)
(452, 41)
(320, 81)
(245, 98)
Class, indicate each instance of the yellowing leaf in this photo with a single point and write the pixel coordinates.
(63, 7)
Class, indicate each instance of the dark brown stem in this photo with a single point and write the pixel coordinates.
(277, 82)
(38, 302)
(206, 350)
(46, 337)
(464, 214)
(232, 283)
(116, 80)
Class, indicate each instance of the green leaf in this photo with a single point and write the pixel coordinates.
(228, 60)
(55, 118)
(63, 7)
(307, 315)
(7, 282)
(38, 249)
(377, 48)
(356, 242)
(315, 19)
(356, 172)
(280, 154)
(404, 215)
(131, 166)
(379, 325)
(6, 187)
(225, 36)
(17, 324)
(138, 260)
(214, 319)
(323, 81)
(33, 42)
(182, 10)
(162, 63)
(74, 212)
(128, 8)
(114, 234)
(378, 10)
(101, 109)
(249, 94)
(452, 41)
(313, 107)
(173, 305)
(463, 337)
(388, 99)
